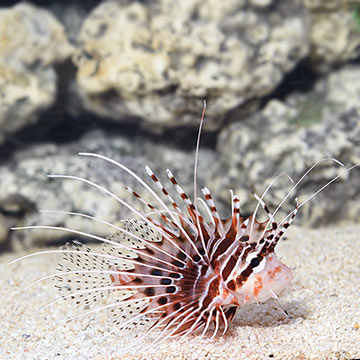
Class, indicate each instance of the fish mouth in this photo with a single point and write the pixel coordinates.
(282, 280)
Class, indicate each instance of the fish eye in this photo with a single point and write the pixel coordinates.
(254, 262)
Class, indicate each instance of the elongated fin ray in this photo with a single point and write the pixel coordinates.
(80, 282)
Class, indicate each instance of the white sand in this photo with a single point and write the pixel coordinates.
(324, 306)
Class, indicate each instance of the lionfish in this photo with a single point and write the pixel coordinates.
(181, 273)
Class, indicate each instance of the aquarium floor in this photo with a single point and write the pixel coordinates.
(323, 304)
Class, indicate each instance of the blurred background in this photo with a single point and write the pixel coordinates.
(127, 79)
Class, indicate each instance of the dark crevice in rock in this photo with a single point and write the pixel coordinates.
(48, 121)
(301, 79)
(85, 4)
(72, 128)
(61, 124)
(67, 128)
(355, 61)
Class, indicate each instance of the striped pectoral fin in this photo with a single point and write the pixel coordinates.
(172, 295)
(161, 300)
(201, 317)
(230, 312)
(153, 289)
(184, 328)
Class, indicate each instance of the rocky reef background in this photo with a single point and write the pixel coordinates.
(127, 79)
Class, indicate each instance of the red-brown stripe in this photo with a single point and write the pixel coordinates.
(136, 195)
(229, 267)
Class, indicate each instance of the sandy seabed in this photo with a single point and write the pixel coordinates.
(323, 304)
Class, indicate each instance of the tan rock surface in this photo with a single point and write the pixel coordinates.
(154, 61)
(32, 41)
(335, 34)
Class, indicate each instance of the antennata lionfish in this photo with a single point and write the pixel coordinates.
(179, 273)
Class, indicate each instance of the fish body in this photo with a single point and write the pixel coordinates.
(184, 272)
